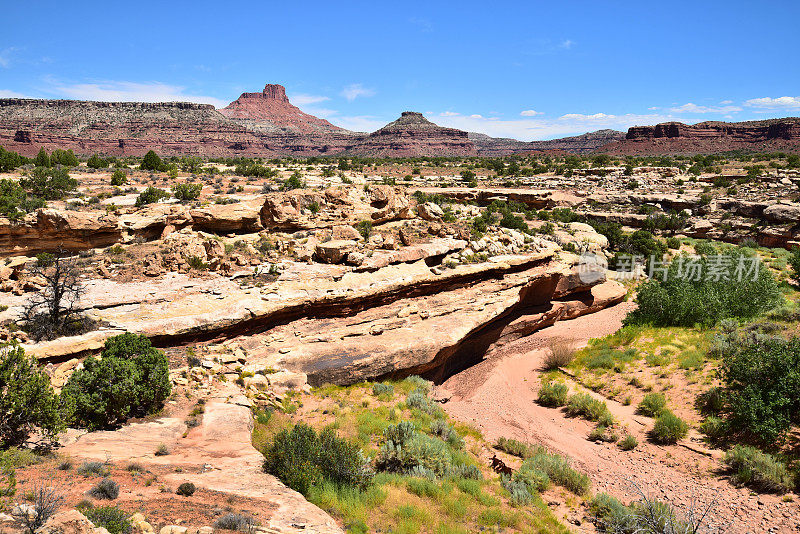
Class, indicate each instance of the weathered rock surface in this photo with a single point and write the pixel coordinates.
(291, 210)
(49, 229)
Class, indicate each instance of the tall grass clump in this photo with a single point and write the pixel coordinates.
(652, 404)
(561, 354)
(758, 470)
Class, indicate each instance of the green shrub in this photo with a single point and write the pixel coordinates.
(95, 162)
(130, 380)
(514, 447)
(404, 450)
(380, 388)
(105, 489)
(301, 459)
(15, 202)
(151, 195)
(48, 183)
(553, 394)
(681, 300)
(27, 400)
(418, 400)
(668, 428)
(714, 427)
(794, 263)
(151, 162)
(558, 470)
(628, 443)
(762, 387)
(443, 430)
(758, 470)
(88, 468)
(364, 228)
(118, 178)
(584, 405)
(652, 404)
(187, 191)
(109, 517)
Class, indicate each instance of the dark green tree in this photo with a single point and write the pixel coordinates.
(151, 162)
(130, 380)
(49, 184)
(42, 158)
(27, 400)
(96, 162)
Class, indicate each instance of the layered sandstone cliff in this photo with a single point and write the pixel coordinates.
(578, 144)
(709, 137)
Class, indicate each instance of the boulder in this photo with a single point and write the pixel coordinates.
(334, 251)
(237, 217)
(67, 522)
(782, 213)
(430, 211)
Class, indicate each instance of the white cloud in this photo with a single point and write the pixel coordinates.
(781, 102)
(476, 116)
(530, 113)
(5, 93)
(532, 129)
(566, 44)
(304, 99)
(448, 114)
(355, 90)
(5, 56)
(694, 108)
(726, 102)
(583, 118)
(122, 91)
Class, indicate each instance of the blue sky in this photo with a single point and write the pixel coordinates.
(530, 70)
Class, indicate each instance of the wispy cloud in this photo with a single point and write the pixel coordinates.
(566, 44)
(125, 91)
(5, 93)
(531, 129)
(424, 25)
(304, 99)
(530, 113)
(781, 102)
(5, 56)
(694, 108)
(356, 90)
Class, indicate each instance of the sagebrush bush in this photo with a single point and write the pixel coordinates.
(586, 406)
(668, 428)
(301, 459)
(685, 301)
(714, 427)
(419, 400)
(380, 388)
(401, 453)
(151, 195)
(652, 404)
(420, 383)
(93, 468)
(236, 522)
(553, 394)
(758, 470)
(442, 429)
(105, 489)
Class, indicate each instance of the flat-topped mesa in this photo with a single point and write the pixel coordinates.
(414, 135)
(710, 136)
(272, 91)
